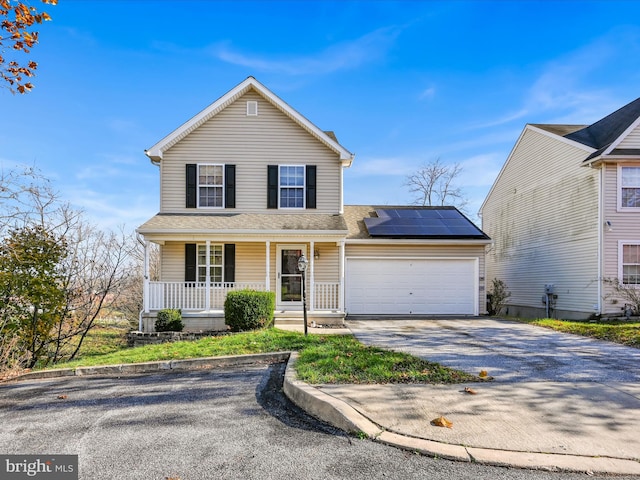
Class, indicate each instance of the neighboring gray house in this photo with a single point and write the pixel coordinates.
(249, 184)
(564, 215)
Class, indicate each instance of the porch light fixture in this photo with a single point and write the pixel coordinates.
(608, 226)
(316, 254)
(303, 263)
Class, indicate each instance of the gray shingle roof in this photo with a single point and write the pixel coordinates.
(243, 223)
(602, 133)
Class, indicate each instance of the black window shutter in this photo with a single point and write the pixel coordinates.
(272, 186)
(190, 262)
(230, 186)
(311, 186)
(192, 185)
(229, 262)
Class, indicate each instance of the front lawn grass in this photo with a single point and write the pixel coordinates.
(625, 333)
(322, 359)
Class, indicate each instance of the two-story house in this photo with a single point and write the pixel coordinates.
(564, 215)
(249, 185)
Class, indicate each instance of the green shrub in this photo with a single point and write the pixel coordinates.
(169, 320)
(249, 309)
(497, 297)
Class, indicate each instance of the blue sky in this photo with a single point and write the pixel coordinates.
(400, 82)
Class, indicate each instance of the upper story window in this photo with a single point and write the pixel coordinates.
(291, 186)
(629, 187)
(210, 185)
(215, 263)
(630, 265)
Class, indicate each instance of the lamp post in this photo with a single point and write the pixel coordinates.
(302, 266)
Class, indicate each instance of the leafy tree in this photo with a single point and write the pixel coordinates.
(32, 299)
(434, 184)
(17, 35)
(90, 275)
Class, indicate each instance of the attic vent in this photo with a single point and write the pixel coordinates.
(252, 109)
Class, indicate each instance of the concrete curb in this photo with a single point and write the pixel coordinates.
(341, 415)
(154, 367)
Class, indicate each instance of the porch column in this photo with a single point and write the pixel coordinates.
(207, 278)
(267, 282)
(145, 287)
(341, 285)
(312, 282)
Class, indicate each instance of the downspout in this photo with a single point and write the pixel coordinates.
(600, 236)
(145, 285)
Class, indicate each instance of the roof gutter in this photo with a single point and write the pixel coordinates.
(418, 241)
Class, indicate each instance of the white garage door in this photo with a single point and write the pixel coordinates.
(411, 286)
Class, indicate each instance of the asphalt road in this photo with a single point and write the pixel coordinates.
(231, 423)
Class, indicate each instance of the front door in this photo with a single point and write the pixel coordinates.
(289, 278)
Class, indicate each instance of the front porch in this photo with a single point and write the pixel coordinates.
(202, 304)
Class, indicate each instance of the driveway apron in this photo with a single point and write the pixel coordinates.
(551, 392)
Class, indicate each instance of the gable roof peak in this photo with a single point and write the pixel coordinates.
(155, 153)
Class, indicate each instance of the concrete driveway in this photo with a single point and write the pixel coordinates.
(509, 351)
(552, 393)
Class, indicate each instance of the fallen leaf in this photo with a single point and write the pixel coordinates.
(470, 390)
(441, 422)
(62, 397)
(483, 374)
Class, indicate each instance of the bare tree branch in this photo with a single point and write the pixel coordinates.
(434, 184)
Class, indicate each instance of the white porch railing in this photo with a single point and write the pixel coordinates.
(326, 296)
(193, 295)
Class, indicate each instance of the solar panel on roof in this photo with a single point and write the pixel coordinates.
(421, 222)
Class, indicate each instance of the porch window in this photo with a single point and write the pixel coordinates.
(291, 186)
(215, 263)
(210, 185)
(630, 187)
(630, 264)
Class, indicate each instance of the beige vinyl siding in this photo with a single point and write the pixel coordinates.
(426, 251)
(172, 262)
(542, 215)
(327, 267)
(251, 143)
(625, 227)
(250, 262)
(632, 140)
